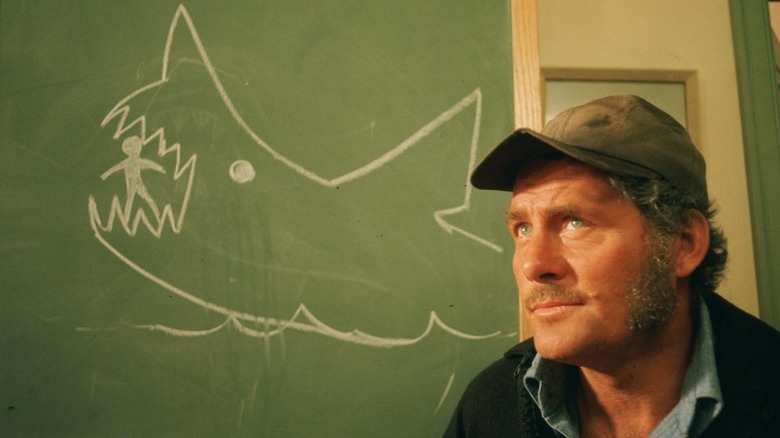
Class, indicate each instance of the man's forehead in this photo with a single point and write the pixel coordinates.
(558, 167)
(563, 183)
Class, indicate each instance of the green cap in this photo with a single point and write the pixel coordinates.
(625, 135)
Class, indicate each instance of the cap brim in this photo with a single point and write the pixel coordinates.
(499, 169)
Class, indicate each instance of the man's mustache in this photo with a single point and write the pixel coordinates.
(541, 293)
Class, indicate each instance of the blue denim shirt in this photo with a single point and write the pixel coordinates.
(700, 400)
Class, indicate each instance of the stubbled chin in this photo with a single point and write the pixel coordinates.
(561, 346)
(550, 347)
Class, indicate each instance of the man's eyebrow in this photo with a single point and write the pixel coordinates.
(561, 210)
(566, 210)
(513, 216)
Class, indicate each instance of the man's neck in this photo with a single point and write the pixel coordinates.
(631, 397)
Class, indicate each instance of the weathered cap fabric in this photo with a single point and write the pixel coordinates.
(622, 134)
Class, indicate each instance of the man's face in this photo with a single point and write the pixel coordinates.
(592, 278)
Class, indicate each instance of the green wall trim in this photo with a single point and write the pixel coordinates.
(758, 94)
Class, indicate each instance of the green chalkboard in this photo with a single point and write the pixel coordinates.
(249, 218)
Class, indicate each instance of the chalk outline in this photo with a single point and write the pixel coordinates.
(237, 319)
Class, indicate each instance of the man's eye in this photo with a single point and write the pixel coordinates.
(576, 222)
(523, 230)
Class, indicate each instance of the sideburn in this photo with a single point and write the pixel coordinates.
(651, 296)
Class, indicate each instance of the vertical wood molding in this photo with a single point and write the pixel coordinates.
(527, 83)
(760, 113)
(526, 64)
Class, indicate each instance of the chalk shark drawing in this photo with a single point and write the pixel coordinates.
(155, 217)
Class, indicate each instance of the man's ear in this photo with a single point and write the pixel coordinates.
(692, 245)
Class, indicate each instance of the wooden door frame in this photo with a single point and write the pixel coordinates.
(527, 74)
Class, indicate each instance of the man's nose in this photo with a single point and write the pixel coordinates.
(540, 258)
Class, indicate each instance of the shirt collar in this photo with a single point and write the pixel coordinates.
(700, 402)
(700, 399)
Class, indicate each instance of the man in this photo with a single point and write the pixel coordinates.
(617, 261)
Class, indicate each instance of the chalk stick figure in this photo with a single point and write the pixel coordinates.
(132, 166)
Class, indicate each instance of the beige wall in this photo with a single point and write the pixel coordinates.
(671, 35)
